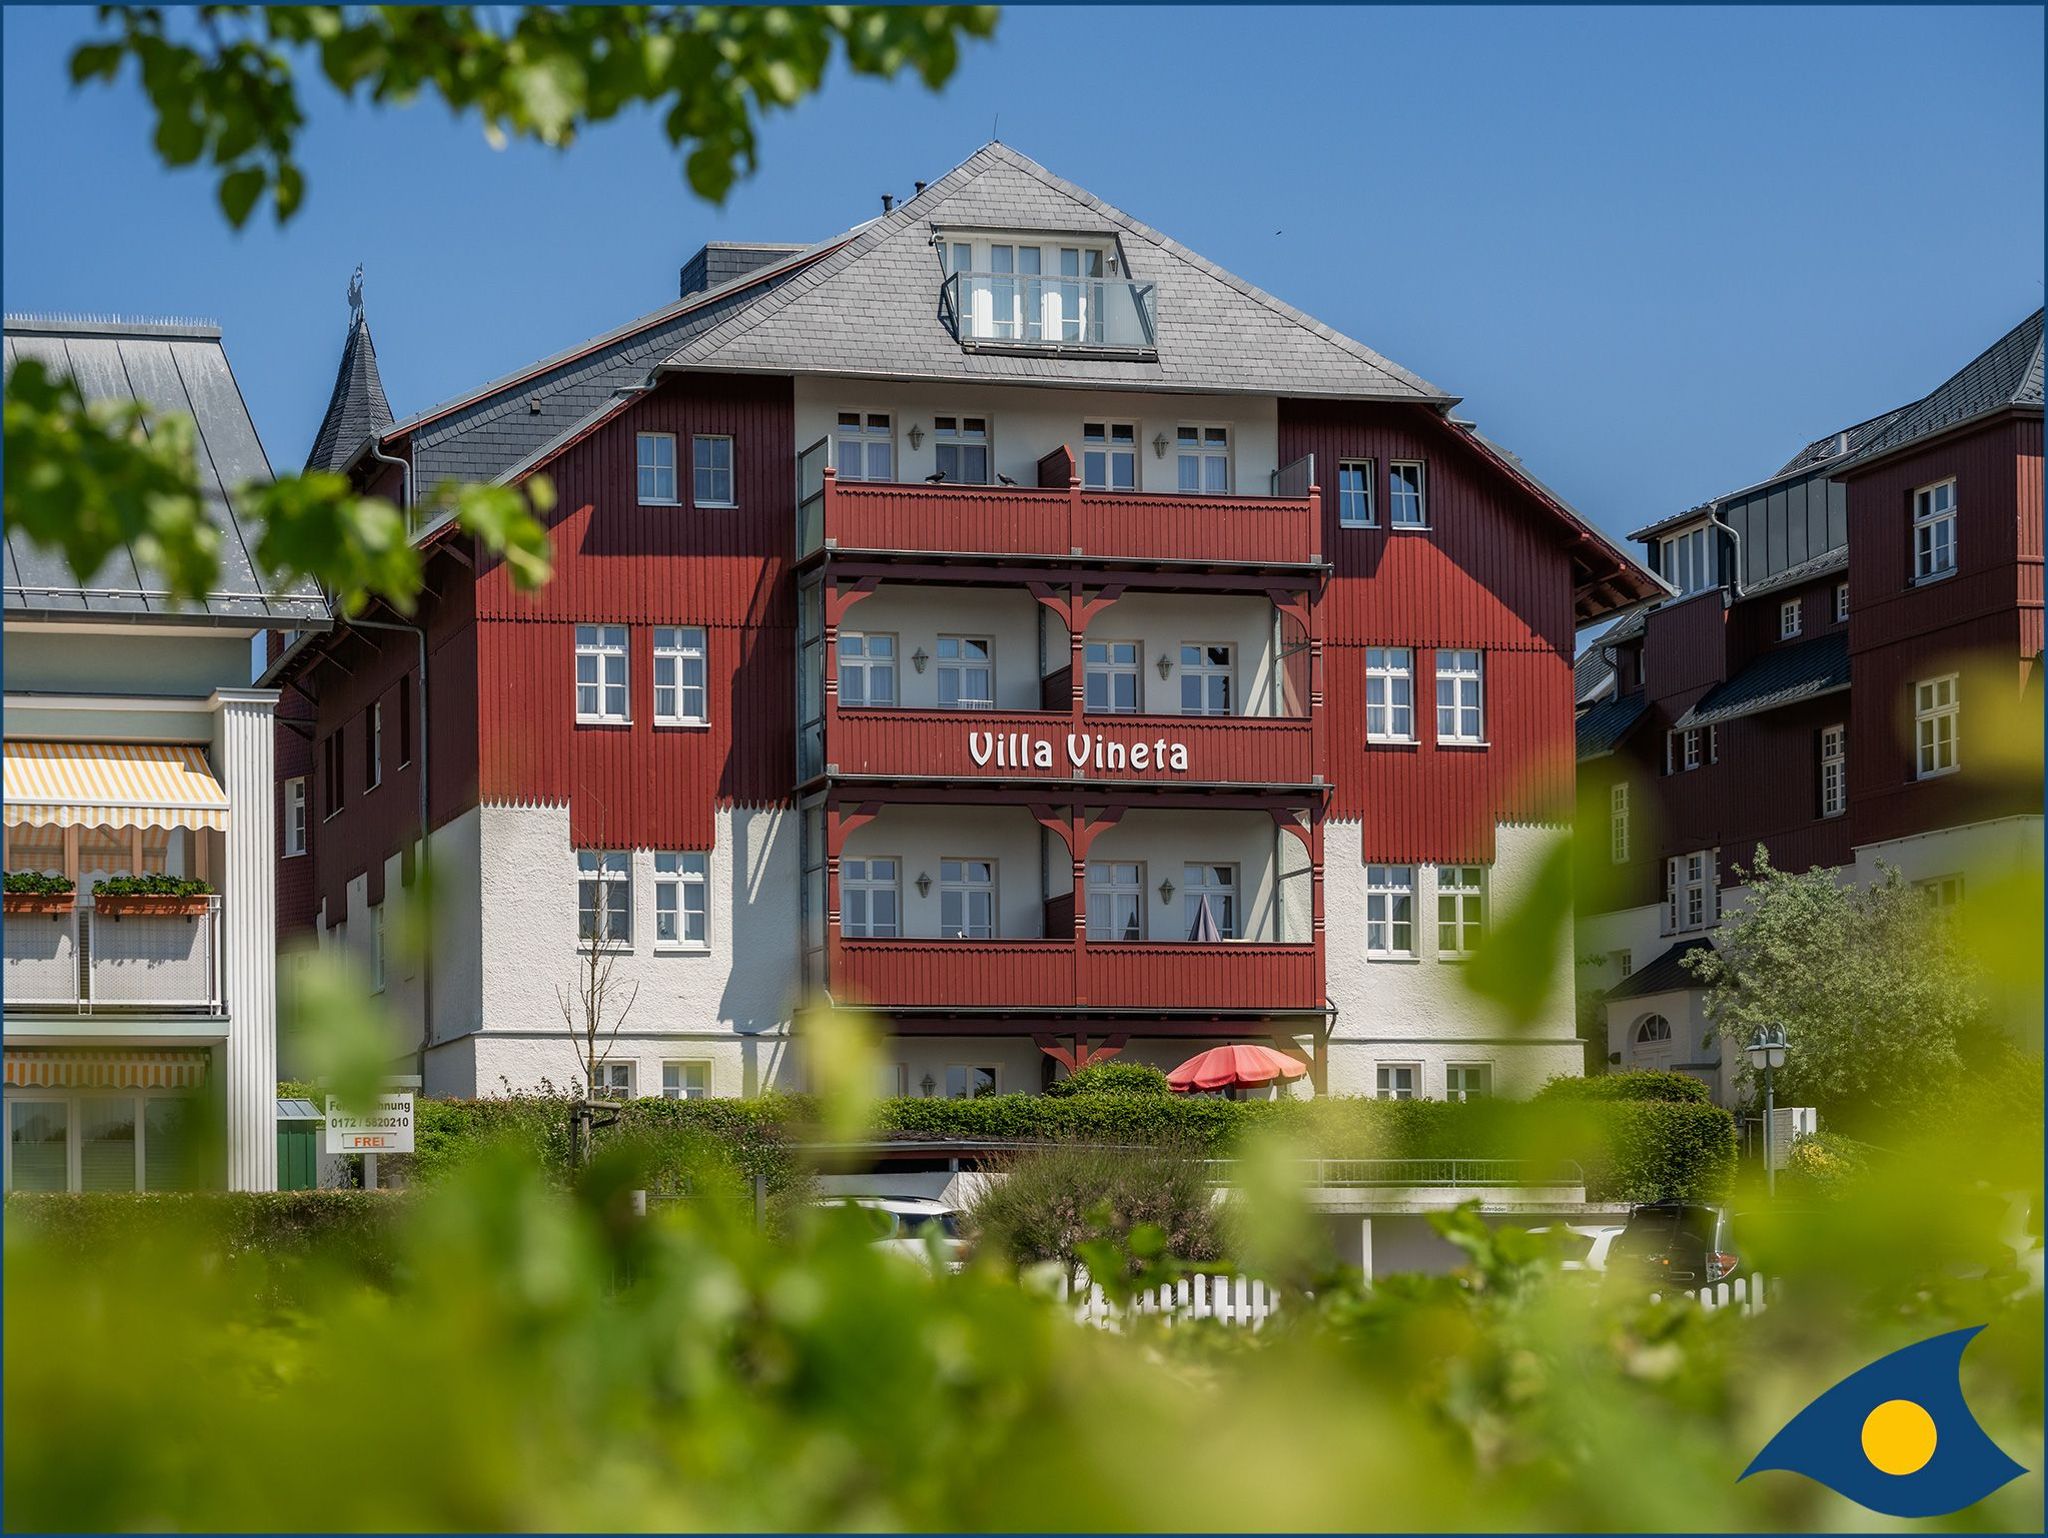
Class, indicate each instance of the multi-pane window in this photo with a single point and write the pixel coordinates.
(1016, 296)
(1687, 561)
(870, 898)
(1841, 603)
(863, 447)
(679, 690)
(1834, 771)
(967, 672)
(1460, 909)
(685, 1081)
(1653, 1031)
(657, 466)
(373, 746)
(332, 786)
(1109, 456)
(1625, 962)
(295, 815)
(604, 896)
(1688, 749)
(960, 449)
(682, 891)
(1466, 1081)
(1389, 694)
(1205, 671)
(1209, 901)
(405, 719)
(614, 1082)
(967, 899)
(1204, 458)
(867, 668)
(1460, 690)
(1789, 617)
(1396, 1081)
(1407, 502)
(1390, 910)
(970, 1081)
(1078, 294)
(1934, 531)
(711, 470)
(1111, 685)
(1618, 824)
(1354, 493)
(601, 673)
(1116, 900)
(1689, 896)
(1934, 726)
(1944, 893)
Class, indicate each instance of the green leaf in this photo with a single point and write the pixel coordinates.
(95, 61)
(239, 191)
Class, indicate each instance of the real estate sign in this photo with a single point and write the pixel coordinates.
(387, 1129)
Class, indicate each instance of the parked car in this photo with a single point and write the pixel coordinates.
(903, 1225)
(1582, 1246)
(1674, 1244)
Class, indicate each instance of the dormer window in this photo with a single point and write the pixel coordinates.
(1044, 294)
(1686, 560)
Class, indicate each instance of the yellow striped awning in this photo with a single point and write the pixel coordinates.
(59, 1068)
(112, 784)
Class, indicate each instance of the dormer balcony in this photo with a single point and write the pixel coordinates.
(1102, 317)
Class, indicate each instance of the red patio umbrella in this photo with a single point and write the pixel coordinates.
(1242, 1064)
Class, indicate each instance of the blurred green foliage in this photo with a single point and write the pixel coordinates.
(1634, 1084)
(1111, 1079)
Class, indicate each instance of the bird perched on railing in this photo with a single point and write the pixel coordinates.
(1004, 479)
(935, 478)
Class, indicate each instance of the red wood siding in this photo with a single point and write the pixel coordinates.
(616, 562)
(1226, 750)
(1060, 974)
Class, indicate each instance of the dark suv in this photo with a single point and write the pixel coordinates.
(1676, 1244)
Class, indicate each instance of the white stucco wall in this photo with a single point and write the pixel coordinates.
(137, 661)
(1161, 622)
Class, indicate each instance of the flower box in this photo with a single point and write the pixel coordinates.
(149, 904)
(39, 902)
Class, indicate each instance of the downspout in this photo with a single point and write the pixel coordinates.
(1714, 517)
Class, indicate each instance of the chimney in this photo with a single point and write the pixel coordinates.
(920, 189)
(888, 201)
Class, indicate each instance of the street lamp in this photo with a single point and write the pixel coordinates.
(1767, 1054)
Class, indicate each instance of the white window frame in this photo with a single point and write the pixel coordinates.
(1934, 531)
(866, 665)
(679, 652)
(1388, 677)
(679, 876)
(610, 871)
(1944, 893)
(1639, 1036)
(373, 750)
(1686, 749)
(295, 816)
(1460, 910)
(965, 1070)
(864, 432)
(858, 877)
(1625, 962)
(1388, 1083)
(1691, 892)
(1114, 885)
(605, 644)
(962, 434)
(959, 665)
(73, 1099)
(703, 475)
(1355, 511)
(676, 1074)
(1834, 770)
(1463, 669)
(1841, 603)
(1618, 829)
(1400, 497)
(1202, 883)
(965, 888)
(1390, 910)
(1109, 671)
(1197, 444)
(1687, 560)
(647, 463)
(1791, 616)
(614, 1079)
(1937, 726)
(1203, 670)
(1468, 1081)
(1101, 455)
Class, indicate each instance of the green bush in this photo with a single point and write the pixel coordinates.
(1056, 1199)
(1635, 1084)
(1112, 1079)
(35, 883)
(1826, 1164)
(156, 885)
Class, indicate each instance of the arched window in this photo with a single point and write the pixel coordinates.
(1653, 1028)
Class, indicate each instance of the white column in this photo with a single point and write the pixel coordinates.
(243, 757)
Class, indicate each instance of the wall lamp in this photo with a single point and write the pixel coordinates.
(916, 437)
(1159, 446)
(927, 1084)
(1166, 892)
(918, 659)
(923, 883)
(1165, 666)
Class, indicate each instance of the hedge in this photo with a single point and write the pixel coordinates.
(1635, 1084)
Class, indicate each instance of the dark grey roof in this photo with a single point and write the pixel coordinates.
(1808, 570)
(1784, 675)
(872, 307)
(299, 1110)
(719, 262)
(2005, 374)
(1840, 445)
(175, 367)
(1667, 974)
(1603, 725)
(357, 410)
(1592, 674)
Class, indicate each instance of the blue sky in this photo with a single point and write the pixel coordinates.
(1655, 251)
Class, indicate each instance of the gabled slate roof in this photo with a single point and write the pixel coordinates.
(872, 307)
(1667, 974)
(1840, 445)
(175, 367)
(357, 410)
(1605, 724)
(1808, 570)
(1592, 675)
(1782, 676)
(2005, 374)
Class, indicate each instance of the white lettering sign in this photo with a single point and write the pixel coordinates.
(387, 1129)
(1086, 752)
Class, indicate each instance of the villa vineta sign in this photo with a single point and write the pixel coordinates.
(1082, 752)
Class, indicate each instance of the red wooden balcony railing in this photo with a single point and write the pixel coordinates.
(1022, 744)
(1232, 975)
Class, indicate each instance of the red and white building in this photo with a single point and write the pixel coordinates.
(996, 617)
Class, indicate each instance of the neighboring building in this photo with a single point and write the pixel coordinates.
(997, 617)
(135, 744)
(1902, 555)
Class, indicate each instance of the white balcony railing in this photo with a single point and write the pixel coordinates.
(87, 961)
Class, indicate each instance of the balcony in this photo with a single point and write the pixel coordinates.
(114, 959)
(1226, 977)
(1056, 520)
(1051, 316)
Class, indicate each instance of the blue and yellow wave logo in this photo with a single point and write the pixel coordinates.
(1896, 1436)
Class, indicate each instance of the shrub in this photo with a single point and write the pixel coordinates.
(155, 885)
(35, 883)
(1112, 1079)
(1635, 1084)
(1052, 1202)
(1826, 1164)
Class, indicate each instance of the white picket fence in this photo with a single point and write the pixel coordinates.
(1745, 1293)
(1232, 1300)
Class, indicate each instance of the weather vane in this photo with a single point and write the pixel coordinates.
(355, 293)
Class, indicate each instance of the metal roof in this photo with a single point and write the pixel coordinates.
(356, 410)
(2004, 375)
(174, 367)
(1667, 974)
(1603, 726)
(1808, 570)
(1782, 676)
